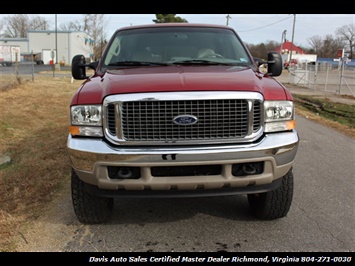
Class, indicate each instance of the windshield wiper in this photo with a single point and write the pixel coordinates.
(137, 63)
(199, 62)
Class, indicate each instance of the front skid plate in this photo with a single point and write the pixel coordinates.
(182, 193)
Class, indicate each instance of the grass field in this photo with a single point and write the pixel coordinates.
(34, 119)
(33, 132)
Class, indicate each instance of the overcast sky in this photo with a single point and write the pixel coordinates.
(252, 28)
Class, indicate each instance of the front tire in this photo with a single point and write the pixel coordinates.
(273, 204)
(89, 209)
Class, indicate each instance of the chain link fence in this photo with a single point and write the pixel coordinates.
(324, 76)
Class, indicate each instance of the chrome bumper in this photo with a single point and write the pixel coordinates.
(91, 157)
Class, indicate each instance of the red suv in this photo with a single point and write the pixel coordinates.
(180, 110)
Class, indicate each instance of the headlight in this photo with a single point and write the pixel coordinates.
(89, 115)
(86, 120)
(279, 116)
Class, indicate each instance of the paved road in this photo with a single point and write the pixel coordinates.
(321, 217)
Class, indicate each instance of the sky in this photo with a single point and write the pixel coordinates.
(252, 28)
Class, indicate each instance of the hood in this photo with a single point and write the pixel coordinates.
(173, 79)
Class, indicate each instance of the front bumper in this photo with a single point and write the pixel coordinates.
(91, 157)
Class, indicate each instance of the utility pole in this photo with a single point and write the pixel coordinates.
(56, 63)
(56, 41)
(283, 38)
(228, 17)
(293, 33)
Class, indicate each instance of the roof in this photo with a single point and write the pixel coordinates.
(13, 39)
(176, 24)
(287, 46)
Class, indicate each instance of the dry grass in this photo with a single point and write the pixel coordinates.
(338, 116)
(347, 131)
(33, 130)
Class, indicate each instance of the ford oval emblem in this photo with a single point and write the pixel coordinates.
(185, 120)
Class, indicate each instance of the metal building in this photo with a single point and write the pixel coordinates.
(51, 47)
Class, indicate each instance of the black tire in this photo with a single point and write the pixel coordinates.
(273, 204)
(89, 209)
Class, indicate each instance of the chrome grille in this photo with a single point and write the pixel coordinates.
(110, 114)
(137, 119)
(257, 116)
(217, 119)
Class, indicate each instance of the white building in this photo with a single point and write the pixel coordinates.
(21, 42)
(68, 44)
(43, 45)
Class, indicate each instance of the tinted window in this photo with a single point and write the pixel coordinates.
(171, 44)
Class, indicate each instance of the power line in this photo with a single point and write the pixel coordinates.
(265, 25)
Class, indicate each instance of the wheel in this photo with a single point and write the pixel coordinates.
(89, 209)
(273, 204)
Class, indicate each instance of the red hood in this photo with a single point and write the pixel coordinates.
(177, 78)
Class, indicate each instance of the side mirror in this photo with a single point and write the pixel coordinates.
(78, 67)
(274, 64)
(259, 61)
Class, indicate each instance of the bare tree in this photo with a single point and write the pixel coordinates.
(72, 26)
(93, 25)
(347, 33)
(16, 26)
(316, 43)
(38, 23)
(330, 46)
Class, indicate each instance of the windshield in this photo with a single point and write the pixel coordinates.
(174, 45)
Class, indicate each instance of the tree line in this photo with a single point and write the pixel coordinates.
(17, 25)
(323, 47)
